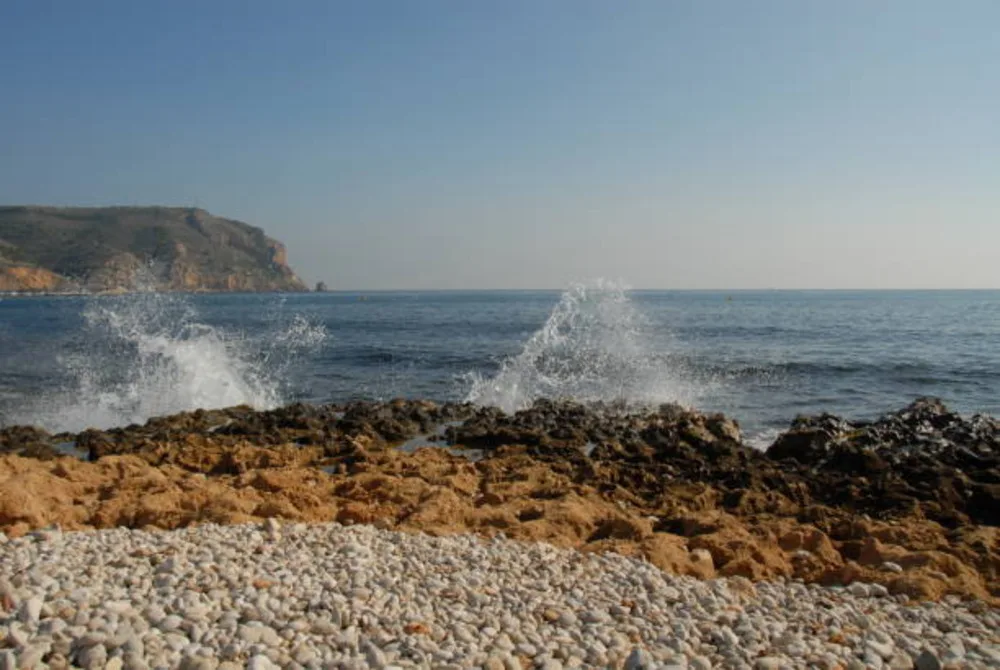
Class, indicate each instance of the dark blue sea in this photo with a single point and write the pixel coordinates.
(67, 363)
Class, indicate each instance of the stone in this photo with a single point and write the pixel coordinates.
(884, 650)
(639, 659)
(927, 660)
(858, 590)
(92, 658)
(30, 612)
(260, 662)
(273, 528)
(877, 591)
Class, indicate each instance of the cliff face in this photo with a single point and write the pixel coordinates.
(24, 278)
(124, 248)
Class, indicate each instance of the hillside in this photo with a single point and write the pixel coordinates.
(115, 249)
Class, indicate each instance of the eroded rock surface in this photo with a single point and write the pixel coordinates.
(909, 501)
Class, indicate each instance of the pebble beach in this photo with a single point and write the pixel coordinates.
(331, 596)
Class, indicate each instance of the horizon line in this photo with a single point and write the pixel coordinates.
(646, 288)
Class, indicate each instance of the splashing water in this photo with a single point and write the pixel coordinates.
(146, 354)
(594, 347)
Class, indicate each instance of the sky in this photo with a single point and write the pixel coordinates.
(530, 144)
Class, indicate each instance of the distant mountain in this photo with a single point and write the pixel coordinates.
(115, 249)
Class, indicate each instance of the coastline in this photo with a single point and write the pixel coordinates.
(826, 503)
(550, 529)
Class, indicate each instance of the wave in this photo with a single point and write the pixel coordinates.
(595, 346)
(147, 354)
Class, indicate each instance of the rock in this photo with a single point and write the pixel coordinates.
(32, 655)
(884, 650)
(30, 611)
(260, 662)
(92, 658)
(927, 660)
(373, 655)
(639, 659)
(134, 661)
(878, 591)
(858, 590)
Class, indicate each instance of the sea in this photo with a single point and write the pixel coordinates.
(762, 357)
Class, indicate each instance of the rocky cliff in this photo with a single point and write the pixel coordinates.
(124, 248)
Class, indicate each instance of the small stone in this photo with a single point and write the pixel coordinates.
(858, 590)
(373, 654)
(567, 619)
(889, 566)
(769, 663)
(32, 654)
(93, 658)
(670, 594)
(50, 534)
(873, 660)
(494, 663)
(154, 614)
(115, 663)
(8, 660)
(135, 661)
(91, 639)
(260, 662)
(927, 661)
(170, 623)
(17, 636)
(305, 655)
(884, 650)
(901, 662)
(198, 663)
(700, 663)
(639, 659)
(30, 612)
(877, 591)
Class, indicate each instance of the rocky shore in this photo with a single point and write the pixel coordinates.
(891, 512)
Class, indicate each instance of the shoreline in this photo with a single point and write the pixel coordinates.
(365, 536)
(830, 502)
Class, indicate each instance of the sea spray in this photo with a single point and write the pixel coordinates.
(147, 354)
(595, 346)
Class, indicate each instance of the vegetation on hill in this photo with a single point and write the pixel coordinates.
(121, 248)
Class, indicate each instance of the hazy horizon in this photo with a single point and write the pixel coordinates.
(710, 145)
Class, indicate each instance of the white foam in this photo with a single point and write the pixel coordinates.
(595, 346)
(147, 354)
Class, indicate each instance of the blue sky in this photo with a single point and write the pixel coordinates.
(470, 144)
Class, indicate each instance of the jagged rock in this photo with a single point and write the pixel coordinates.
(671, 484)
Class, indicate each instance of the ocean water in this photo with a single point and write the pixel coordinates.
(762, 357)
